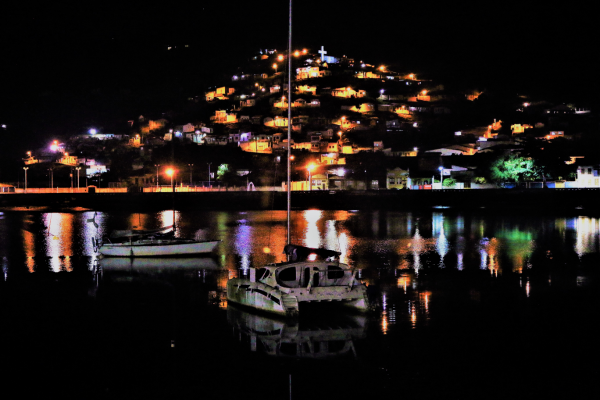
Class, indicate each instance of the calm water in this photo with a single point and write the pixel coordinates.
(479, 305)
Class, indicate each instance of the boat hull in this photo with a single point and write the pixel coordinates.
(287, 303)
(157, 248)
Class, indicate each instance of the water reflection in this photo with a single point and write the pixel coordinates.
(405, 246)
(331, 337)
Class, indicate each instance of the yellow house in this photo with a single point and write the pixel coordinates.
(277, 121)
(348, 92)
(66, 159)
(222, 117)
(396, 178)
(307, 89)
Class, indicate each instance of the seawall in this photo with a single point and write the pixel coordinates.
(491, 199)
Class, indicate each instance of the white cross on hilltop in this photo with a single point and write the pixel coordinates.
(322, 52)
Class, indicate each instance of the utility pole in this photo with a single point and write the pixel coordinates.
(25, 168)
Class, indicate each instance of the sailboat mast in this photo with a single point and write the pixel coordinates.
(289, 135)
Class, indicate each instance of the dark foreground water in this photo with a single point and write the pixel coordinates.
(465, 305)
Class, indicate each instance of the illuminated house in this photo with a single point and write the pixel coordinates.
(221, 93)
(247, 103)
(277, 121)
(367, 75)
(222, 117)
(307, 89)
(257, 146)
(588, 176)
(66, 159)
(348, 92)
(396, 178)
(518, 128)
(402, 110)
(135, 141)
(311, 72)
(275, 89)
(554, 134)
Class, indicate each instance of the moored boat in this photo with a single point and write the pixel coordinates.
(316, 277)
(155, 246)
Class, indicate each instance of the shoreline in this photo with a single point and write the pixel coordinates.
(562, 200)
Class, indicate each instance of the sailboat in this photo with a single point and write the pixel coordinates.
(154, 245)
(309, 275)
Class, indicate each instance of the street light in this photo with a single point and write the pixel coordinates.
(25, 168)
(441, 178)
(170, 172)
(310, 167)
(275, 66)
(78, 169)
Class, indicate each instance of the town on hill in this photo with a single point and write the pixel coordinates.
(355, 126)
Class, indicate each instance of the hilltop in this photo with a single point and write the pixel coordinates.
(354, 121)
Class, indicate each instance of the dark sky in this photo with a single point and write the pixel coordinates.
(62, 62)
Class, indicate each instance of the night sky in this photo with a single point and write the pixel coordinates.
(66, 66)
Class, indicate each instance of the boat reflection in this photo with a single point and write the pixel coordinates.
(304, 339)
(158, 264)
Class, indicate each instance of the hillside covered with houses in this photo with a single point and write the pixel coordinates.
(355, 126)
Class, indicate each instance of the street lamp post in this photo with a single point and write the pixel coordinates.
(209, 175)
(191, 166)
(441, 176)
(71, 179)
(78, 169)
(25, 168)
(157, 165)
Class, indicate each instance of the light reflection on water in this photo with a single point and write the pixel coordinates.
(379, 244)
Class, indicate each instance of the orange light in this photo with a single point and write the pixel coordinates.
(424, 92)
(292, 158)
(304, 51)
(275, 66)
(311, 166)
(266, 250)
(280, 58)
(296, 53)
(170, 171)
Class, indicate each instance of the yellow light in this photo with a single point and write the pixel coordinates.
(312, 257)
(311, 166)
(304, 51)
(275, 66)
(296, 53)
(382, 68)
(424, 92)
(170, 171)
(266, 250)
(280, 58)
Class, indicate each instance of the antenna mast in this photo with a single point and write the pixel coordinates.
(289, 135)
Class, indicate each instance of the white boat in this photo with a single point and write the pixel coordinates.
(282, 288)
(155, 246)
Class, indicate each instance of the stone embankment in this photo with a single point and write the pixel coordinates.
(490, 199)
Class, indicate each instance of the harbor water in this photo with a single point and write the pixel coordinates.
(463, 304)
